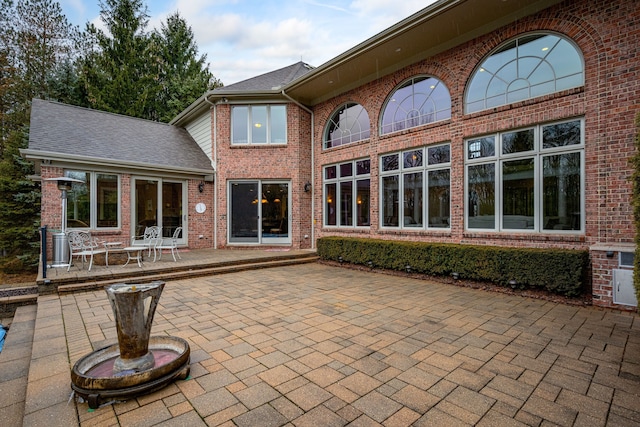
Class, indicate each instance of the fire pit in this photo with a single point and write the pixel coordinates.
(138, 363)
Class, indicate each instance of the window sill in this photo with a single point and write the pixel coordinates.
(528, 237)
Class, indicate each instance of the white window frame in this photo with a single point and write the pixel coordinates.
(93, 199)
(353, 179)
(425, 168)
(250, 126)
(537, 154)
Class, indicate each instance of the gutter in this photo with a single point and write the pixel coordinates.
(313, 189)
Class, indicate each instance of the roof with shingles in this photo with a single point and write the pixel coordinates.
(98, 135)
(272, 80)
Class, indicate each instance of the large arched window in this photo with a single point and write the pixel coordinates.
(350, 123)
(418, 101)
(524, 68)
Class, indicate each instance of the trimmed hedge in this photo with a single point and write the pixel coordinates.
(560, 271)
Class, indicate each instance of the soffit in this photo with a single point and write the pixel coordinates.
(435, 29)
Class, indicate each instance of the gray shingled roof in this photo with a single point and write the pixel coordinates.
(98, 135)
(271, 80)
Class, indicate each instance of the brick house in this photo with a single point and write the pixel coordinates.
(506, 123)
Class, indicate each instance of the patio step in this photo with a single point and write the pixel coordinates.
(189, 272)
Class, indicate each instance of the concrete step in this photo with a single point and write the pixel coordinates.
(190, 272)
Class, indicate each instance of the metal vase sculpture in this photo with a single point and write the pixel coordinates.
(133, 307)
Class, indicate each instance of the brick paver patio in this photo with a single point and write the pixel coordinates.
(313, 345)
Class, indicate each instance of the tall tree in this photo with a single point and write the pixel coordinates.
(121, 74)
(184, 76)
(35, 37)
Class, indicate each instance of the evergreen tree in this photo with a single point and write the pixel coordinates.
(35, 37)
(121, 74)
(184, 77)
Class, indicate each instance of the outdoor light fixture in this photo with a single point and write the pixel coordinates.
(370, 264)
(201, 186)
(609, 254)
(307, 187)
(407, 268)
(513, 283)
(340, 260)
(455, 275)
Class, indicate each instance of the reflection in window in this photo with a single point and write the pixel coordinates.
(504, 189)
(93, 203)
(525, 68)
(341, 208)
(419, 101)
(259, 124)
(406, 186)
(350, 123)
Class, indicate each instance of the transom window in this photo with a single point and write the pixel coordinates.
(524, 68)
(346, 194)
(528, 179)
(258, 124)
(418, 101)
(415, 188)
(350, 123)
(94, 203)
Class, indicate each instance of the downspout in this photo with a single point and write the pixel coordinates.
(214, 155)
(313, 187)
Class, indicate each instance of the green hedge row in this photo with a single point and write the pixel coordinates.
(560, 271)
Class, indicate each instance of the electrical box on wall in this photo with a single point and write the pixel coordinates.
(623, 289)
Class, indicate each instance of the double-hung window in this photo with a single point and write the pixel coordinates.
(94, 203)
(415, 188)
(258, 124)
(529, 180)
(346, 194)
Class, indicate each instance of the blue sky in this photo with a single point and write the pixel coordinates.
(246, 38)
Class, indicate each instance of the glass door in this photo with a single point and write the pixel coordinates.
(275, 213)
(259, 212)
(244, 215)
(159, 202)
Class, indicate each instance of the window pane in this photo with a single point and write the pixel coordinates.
(107, 203)
(278, 124)
(561, 134)
(346, 170)
(346, 203)
(362, 202)
(482, 196)
(516, 142)
(518, 196)
(330, 172)
(412, 159)
(390, 195)
(390, 163)
(363, 167)
(562, 192)
(258, 124)
(412, 201)
(349, 124)
(78, 200)
(330, 204)
(440, 154)
(239, 120)
(439, 198)
(481, 147)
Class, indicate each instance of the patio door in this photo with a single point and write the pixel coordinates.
(259, 212)
(159, 202)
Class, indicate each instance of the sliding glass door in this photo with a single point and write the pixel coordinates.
(159, 202)
(259, 212)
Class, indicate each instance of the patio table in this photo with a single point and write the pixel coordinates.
(134, 252)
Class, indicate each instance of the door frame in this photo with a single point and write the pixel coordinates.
(183, 240)
(261, 239)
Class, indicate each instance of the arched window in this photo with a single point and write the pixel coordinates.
(524, 68)
(418, 101)
(350, 123)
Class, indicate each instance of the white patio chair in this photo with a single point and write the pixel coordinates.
(171, 244)
(150, 239)
(82, 245)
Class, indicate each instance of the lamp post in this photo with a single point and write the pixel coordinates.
(60, 244)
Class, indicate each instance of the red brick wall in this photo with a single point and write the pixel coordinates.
(198, 224)
(290, 162)
(608, 34)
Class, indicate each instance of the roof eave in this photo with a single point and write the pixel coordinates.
(32, 155)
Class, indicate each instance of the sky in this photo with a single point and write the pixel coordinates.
(247, 38)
